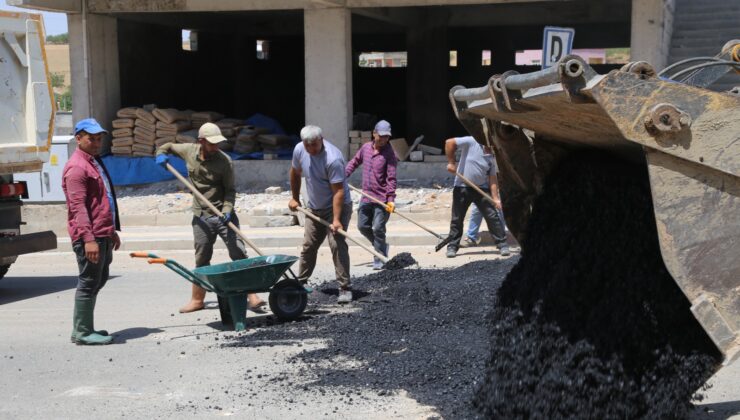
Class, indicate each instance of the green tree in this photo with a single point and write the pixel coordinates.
(58, 39)
(64, 100)
(57, 79)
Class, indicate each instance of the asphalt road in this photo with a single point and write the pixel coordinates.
(169, 365)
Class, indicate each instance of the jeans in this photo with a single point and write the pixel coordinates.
(371, 220)
(476, 217)
(462, 198)
(314, 235)
(92, 276)
(205, 231)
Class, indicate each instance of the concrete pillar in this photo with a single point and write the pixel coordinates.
(93, 51)
(427, 77)
(328, 61)
(652, 27)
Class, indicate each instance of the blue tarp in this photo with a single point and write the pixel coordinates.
(125, 170)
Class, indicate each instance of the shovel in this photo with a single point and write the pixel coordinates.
(218, 213)
(375, 200)
(342, 232)
(476, 188)
(399, 261)
(470, 184)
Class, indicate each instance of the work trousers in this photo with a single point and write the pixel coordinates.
(462, 197)
(92, 276)
(205, 231)
(371, 220)
(313, 237)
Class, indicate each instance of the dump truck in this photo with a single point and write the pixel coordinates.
(686, 134)
(26, 128)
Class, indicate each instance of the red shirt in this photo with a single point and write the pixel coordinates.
(89, 214)
(378, 171)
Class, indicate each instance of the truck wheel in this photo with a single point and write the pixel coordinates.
(3, 270)
(288, 300)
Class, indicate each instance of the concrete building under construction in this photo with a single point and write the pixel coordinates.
(299, 61)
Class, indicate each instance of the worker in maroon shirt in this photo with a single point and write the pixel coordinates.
(379, 181)
(92, 222)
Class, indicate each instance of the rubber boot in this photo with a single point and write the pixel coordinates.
(100, 332)
(82, 323)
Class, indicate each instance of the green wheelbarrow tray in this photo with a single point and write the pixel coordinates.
(232, 281)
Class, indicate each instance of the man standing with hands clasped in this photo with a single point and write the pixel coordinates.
(379, 181)
(477, 165)
(92, 221)
(212, 173)
(322, 164)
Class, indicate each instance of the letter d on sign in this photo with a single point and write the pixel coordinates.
(556, 43)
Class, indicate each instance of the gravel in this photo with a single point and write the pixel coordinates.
(400, 261)
(589, 324)
(420, 331)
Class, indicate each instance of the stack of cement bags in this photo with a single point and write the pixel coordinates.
(246, 140)
(144, 133)
(200, 118)
(170, 123)
(271, 143)
(229, 129)
(190, 136)
(123, 132)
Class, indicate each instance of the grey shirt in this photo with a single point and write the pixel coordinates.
(475, 164)
(320, 172)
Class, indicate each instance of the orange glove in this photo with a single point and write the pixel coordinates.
(390, 207)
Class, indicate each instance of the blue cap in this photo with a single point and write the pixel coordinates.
(383, 128)
(90, 126)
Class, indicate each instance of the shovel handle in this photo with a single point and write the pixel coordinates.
(343, 233)
(375, 200)
(197, 194)
(477, 188)
(203, 200)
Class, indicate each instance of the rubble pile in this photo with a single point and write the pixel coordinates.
(423, 332)
(589, 323)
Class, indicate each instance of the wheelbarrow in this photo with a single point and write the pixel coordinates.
(232, 281)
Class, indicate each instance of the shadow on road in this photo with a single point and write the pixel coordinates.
(134, 333)
(716, 411)
(14, 289)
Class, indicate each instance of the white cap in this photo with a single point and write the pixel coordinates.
(383, 128)
(211, 132)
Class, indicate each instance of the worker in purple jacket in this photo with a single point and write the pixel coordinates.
(379, 181)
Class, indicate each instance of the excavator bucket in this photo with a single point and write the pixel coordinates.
(687, 135)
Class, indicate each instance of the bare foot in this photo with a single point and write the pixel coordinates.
(192, 306)
(255, 302)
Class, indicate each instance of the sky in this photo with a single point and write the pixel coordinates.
(55, 23)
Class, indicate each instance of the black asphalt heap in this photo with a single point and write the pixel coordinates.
(589, 324)
(421, 331)
(400, 261)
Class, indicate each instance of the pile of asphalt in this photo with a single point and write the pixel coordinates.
(589, 324)
(400, 261)
(420, 332)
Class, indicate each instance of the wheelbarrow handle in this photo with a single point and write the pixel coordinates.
(157, 261)
(142, 254)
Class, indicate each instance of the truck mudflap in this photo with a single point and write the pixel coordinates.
(28, 243)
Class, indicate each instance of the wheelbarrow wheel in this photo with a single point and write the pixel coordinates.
(288, 300)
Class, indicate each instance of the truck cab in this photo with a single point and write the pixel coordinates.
(26, 128)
